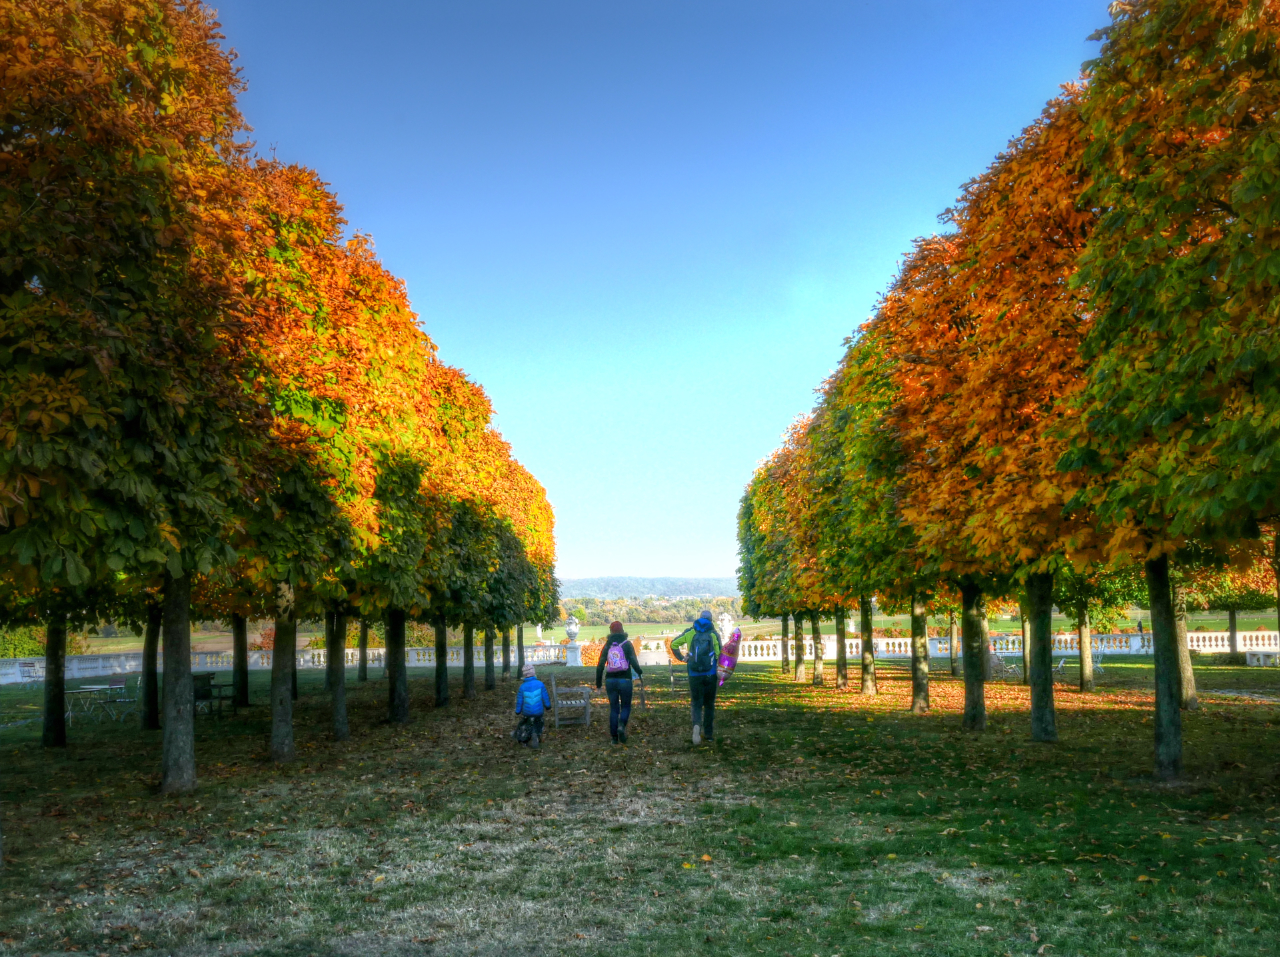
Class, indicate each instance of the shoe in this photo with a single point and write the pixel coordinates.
(622, 735)
(613, 739)
(534, 742)
(697, 734)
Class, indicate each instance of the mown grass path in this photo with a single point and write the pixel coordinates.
(818, 823)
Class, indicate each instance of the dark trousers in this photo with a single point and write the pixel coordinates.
(702, 693)
(534, 721)
(619, 691)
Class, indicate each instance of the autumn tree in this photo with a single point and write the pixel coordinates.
(125, 430)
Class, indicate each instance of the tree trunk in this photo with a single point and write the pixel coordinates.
(842, 655)
(397, 678)
(283, 660)
(1044, 726)
(919, 656)
(490, 676)
(240, 661)
(506, 653)
(442, 663)
(1233, 632)
(818, 651)
(468, 661)
(55, 682)
(1186, 674)
(952, 640)
(362, 669)
(1168, 718)
(1026, 643)
(975, 676)
(868, 646)
(150, 671)
(178, 752)
(798, 618)
(336, 668)
(985, 624)
(1084, 639)
(786, 660)
(293, 664)
(519, 651)
(328, 650)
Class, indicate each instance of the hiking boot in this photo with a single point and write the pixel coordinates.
(622, 735)
(613, 739)
(534, 742)
(697, 734)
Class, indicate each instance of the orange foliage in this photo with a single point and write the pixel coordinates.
(983, 331)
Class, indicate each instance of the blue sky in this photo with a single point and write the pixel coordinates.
(646, 227)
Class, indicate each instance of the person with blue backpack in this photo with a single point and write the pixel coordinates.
(532, 702)
(703, 655)
(616, 665)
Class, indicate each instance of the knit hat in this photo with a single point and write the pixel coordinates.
(615, 627)
(705, 613)
(528, 671)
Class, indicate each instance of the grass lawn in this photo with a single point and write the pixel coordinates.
(818, 823)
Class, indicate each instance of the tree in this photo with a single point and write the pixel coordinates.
(125, 429)
(1093, 598)
(1176, 424)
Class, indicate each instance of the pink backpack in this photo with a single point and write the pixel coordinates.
(617, 659)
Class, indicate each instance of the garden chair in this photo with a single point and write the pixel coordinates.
(205, 697)
(570, 699)
(120, 703)
(678, 676)
(1096, 657)
(1003, 671)
(1060, 669)
(28, 673)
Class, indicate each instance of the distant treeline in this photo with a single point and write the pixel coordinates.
(593, 611)
(636, 588)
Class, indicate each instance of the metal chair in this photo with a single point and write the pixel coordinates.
(677, 674)
(119, 703)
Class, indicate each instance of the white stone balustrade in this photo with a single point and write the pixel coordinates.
(1257, 643)
(18, 670)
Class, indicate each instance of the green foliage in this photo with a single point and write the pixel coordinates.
(25, 642)
(1180, 416)
(591, 611)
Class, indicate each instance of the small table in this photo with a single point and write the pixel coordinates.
(85, 700)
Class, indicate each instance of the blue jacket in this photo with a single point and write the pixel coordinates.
(532, 698)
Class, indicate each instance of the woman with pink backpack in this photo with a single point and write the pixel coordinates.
(616, 665)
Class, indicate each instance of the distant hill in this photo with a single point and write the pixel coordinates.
(607, 588)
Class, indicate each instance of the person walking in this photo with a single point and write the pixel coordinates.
(704, 653)
(532, 702)
(616, 665)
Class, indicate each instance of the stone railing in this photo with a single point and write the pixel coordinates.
(1064, 644)
(19, 670)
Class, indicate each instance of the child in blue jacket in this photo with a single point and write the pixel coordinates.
(532, 701)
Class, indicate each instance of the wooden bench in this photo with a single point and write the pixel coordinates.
(572, 699)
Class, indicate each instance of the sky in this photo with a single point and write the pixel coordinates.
(646, 227)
